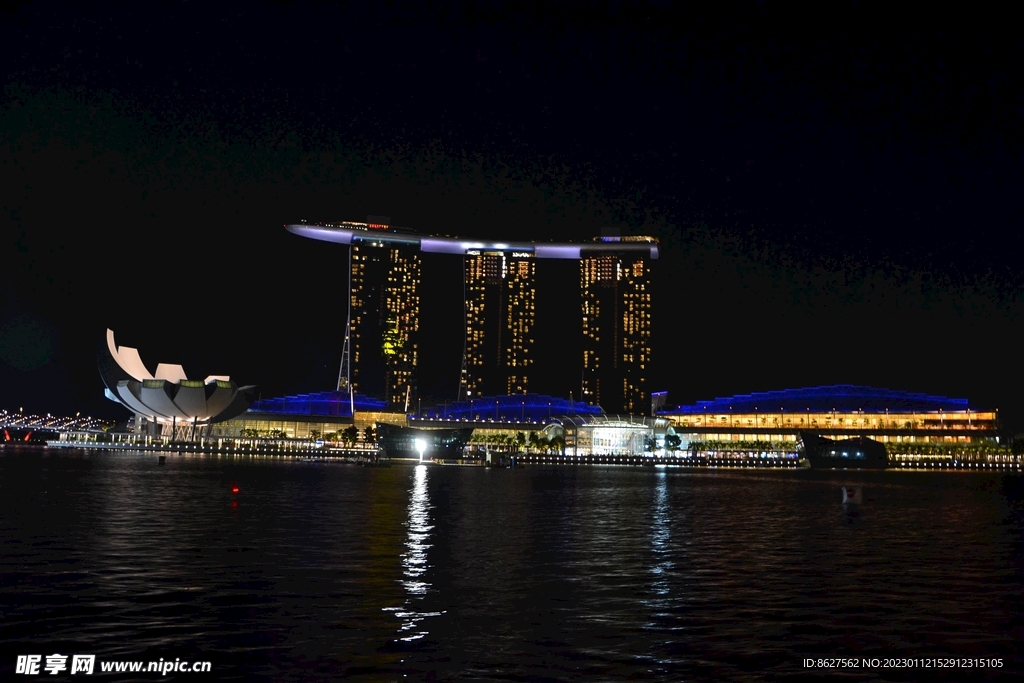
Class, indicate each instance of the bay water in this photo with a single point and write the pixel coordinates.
(325, 571)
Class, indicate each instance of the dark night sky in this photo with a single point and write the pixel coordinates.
(837, 189)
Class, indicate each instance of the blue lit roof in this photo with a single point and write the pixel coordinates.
(839, 397)
(511, 408)
(333, 403)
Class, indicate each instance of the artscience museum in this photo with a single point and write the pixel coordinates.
(166, 402)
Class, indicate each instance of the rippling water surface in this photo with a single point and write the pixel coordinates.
(326, 571)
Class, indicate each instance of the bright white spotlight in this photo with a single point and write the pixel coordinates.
(421, 445)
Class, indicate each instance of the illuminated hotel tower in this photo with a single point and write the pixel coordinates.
(500, 299)
(616, 301)
(382, 344)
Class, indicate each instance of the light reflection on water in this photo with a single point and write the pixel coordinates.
(414, 560)
(661, 524)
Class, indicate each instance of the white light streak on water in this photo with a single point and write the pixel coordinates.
(415, 561)
(661, 522)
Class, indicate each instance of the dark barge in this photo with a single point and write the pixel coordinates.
(856, 453)
(400, 442)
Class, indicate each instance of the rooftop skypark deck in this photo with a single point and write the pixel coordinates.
(346, 232)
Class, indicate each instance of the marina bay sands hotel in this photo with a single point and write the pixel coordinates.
(383, 331)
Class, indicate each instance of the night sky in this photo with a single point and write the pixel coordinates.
(837, 188)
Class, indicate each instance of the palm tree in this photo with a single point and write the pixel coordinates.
(534, 441)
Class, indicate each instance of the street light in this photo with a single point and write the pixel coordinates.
(421, 445)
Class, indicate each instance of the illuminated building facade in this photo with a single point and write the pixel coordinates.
(838, 411)
(500, 315)
(323, 414)
(382, 340)
(523, 423)
(400, 344)
(615, 290)
(603, 435)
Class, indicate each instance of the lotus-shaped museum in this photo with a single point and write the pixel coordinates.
(167, 398)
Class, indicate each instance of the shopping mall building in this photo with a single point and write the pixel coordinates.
(771, 420)
(838, 411)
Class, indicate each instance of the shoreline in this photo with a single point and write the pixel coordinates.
(367, 457)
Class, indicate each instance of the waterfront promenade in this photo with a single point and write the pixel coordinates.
(285, 448)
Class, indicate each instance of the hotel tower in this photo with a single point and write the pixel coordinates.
(500, 314)
(382, 339)
(615, 290)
